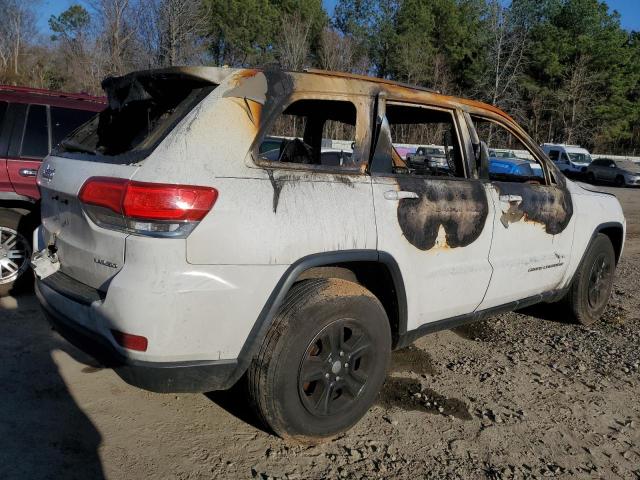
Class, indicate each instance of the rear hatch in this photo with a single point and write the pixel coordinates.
(143, 108)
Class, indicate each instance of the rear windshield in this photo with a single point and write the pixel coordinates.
(142, 110)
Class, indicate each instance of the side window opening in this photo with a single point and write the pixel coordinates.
(313, 132)
(35, 141)
(554, 155)
(510, 160)
(424, 141)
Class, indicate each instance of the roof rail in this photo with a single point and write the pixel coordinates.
(367, 78)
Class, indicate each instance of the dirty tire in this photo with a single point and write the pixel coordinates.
(12, 225)
(299, 383)
(589, 292)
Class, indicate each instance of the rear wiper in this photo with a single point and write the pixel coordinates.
(76, 147)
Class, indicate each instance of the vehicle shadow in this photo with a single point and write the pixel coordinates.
(552, 312)
(235, 401)
(43, 432)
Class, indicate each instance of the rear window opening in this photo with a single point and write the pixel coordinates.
(142, 110)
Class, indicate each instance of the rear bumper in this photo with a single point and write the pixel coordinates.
(164, 377)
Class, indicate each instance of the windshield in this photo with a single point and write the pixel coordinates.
(580, 157)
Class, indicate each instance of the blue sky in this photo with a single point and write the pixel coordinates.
(629, 11)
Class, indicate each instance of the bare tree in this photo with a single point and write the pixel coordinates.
(116, 42)
(575, 101)
(293, 46)
(171, 32)
(16, 27)
(336, 51)
(507, 47)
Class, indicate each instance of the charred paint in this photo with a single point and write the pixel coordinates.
(458, 207)
(549, 206)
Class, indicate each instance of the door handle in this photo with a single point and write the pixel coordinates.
(28, 172)
(399, 195)
(511, 198)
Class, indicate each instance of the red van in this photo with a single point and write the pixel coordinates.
(32, 121)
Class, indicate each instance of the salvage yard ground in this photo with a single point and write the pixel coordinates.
(523, 395)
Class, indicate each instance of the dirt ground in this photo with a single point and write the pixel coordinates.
(523, 395)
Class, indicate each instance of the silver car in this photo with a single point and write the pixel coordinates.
(620, 172)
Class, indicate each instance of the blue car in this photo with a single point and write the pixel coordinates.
(503, 163)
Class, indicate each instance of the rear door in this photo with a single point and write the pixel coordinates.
(37, 129)
(435, 222)
(30, 143)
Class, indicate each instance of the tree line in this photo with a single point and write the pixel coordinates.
(565, 69)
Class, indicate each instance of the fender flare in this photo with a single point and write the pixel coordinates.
(275, 300)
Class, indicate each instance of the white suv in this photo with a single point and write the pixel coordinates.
(177, 253)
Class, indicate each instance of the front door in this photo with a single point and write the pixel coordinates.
(533, 231)
(434, 220)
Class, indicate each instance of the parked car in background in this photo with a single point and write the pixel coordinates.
(32, 122)
(428, 158)
(619, 172)
(500, 163)
(572, 160)
(171, 250)
(507, 162)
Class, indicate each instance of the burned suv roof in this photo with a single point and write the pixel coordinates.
(325, 81)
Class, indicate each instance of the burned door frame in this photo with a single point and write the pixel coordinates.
(362, 138)
(533, 231)
(437, 228)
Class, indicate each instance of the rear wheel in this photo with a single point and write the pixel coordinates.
(619, 181)
(589, 292)
(15, 252)
(322, 362)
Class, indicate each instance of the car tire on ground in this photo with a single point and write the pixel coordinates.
(322, 362)
(591, 178)
(15, 252)
(591, 286)
(620, 181)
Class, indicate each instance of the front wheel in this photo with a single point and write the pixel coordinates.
(15, 252)
(619, 181)
(322, 362)
(589, 292)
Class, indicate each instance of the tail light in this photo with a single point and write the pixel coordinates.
(153, 209)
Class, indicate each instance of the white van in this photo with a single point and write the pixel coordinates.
(570, 159)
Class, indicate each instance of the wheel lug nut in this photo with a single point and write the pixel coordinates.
(337, 379)
(346, 365)
(326, 375)
(342, 354)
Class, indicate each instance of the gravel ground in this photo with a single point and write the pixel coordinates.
(523, 395)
